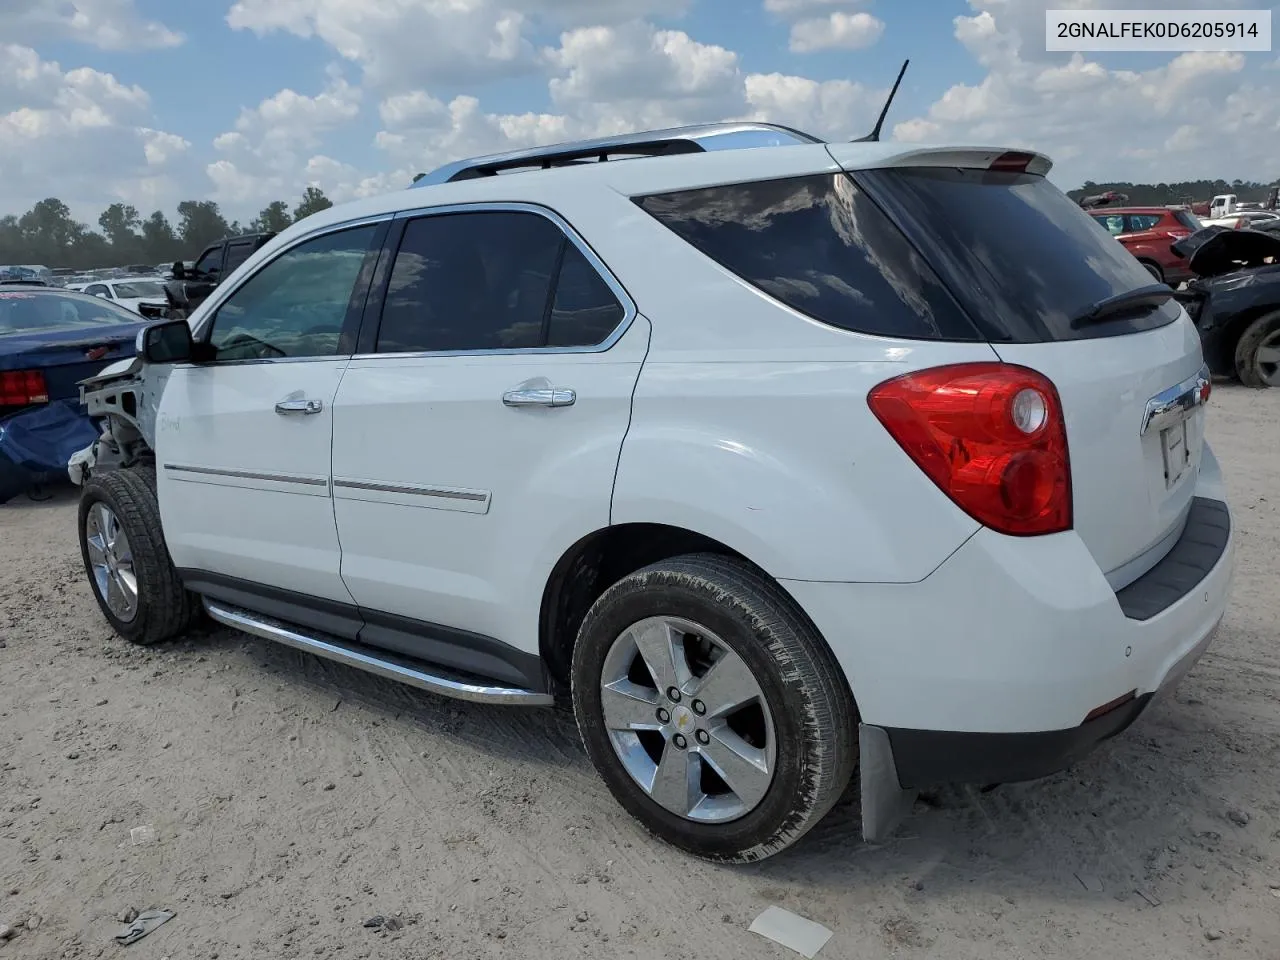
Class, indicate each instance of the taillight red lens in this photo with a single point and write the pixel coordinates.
(991, 435)
(21, 388)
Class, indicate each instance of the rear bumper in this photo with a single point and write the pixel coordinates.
(990, 670)
(927, 757)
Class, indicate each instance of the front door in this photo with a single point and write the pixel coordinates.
(478, 440)
(243, 441)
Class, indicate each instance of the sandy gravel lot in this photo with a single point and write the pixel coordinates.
(288, 800)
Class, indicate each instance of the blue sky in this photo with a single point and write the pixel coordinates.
(249, 100)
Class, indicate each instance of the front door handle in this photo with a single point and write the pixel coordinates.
(305, 407)
(540, 397)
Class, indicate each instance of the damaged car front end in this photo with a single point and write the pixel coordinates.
(124, 399)
(1235, 301)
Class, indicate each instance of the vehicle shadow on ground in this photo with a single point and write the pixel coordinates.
(1161, 813)
(1153, 815)
(43, 498)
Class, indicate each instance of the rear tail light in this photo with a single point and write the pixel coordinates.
(991, 436)
(1242, 223)
(21, 388)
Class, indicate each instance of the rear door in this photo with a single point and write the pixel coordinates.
(477, 434)
(1028, 266)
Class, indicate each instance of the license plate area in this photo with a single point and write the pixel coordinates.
(1175, 451)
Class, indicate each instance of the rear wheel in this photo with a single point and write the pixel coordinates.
(712, 709)
(1154, 269)
(130, 573)
(1258, 352)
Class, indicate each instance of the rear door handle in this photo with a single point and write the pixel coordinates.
(540, 397)
(304, 407)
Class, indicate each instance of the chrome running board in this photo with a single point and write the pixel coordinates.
(438, 680)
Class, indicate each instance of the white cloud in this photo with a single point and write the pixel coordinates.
(1164, 123)
(108, 24)
(80, 135)
(269, 154)
(790, 8)
(839, 30)
(401, 44)
(614, 80)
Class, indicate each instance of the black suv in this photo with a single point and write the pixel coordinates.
(189, 288)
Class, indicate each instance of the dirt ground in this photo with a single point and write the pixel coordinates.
(275, 802)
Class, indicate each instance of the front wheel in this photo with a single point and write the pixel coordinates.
(130, 573)
(1154, 270)
(712, 709)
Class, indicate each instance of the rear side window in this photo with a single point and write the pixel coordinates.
(821, 246)
(1023, 259)
(238, 253)
(1188, 220)
(585, 310)
(493, 280)
(1143, 221)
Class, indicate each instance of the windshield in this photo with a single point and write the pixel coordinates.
(32, 311)
(1023, 259)
(139, 288)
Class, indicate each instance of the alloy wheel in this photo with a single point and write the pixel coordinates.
(688, 720)
(111, 560)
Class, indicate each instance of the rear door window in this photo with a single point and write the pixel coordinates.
(493, 280)
(821, 246)
(1022, 258)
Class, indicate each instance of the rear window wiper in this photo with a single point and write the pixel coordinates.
(1149, 296)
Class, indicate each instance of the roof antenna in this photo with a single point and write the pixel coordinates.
(874, 135)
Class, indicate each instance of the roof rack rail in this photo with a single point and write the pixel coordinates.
(699, 138)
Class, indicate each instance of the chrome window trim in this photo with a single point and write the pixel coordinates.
(223, 293)
(629, 309)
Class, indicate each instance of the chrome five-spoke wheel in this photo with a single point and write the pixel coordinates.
(111, 561)
(712, 709)
(688, 719)
(129, 568)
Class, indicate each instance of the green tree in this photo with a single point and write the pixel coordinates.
(10, 240)
(49, 233)
(313, 201)
(159, 241)
(273, 218)
(119, 223)
(200, 223)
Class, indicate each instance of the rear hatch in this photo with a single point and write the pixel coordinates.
(1031, 269)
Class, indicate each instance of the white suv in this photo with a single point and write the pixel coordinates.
(781, 458)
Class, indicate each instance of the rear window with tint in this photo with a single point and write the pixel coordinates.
(821, 246)
(1023, 259)
(1188, 220)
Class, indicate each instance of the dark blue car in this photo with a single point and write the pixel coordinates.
(50, 339)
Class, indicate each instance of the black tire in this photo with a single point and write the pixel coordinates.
(813, 711)
(1246, 356)
(1153, 269)
(164, 608)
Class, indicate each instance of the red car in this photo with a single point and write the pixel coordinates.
(1149, 234)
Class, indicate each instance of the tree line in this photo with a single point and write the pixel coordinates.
(1188, 191)
(48, 235)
